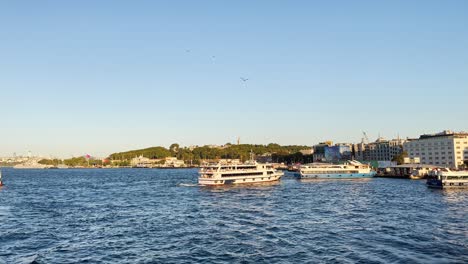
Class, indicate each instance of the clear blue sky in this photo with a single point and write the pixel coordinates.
(103, 76)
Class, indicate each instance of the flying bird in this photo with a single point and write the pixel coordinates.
(244, 80)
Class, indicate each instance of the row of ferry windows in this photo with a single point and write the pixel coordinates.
(334, 172)
(244, 174)
(244, 168)
(269, 178)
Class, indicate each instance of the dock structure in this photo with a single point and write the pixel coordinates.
(415, 171)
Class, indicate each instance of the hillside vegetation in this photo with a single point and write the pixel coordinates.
(278, 153)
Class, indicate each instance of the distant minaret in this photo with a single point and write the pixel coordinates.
(29, 154)
(238, 140)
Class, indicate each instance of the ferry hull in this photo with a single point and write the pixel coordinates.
(442, 184)
(336, 176)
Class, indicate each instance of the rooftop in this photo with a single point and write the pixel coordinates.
(445, 133)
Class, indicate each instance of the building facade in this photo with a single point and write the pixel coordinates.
(319, 151)
(380, 150)
(445, 149)
(338, 152)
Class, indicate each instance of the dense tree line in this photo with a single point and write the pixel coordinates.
(279, 153)
(297, 157)
(152, 153)
(73, 162)
(53, 162)
(286, 154)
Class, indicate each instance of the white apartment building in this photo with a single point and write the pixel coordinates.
(445, 149)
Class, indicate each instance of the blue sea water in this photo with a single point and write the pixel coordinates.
(161, 216)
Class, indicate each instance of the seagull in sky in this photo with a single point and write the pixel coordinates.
(244, 80)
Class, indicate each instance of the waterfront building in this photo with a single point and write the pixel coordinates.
(319, 150)
(445, 149)
(230, 161)
(338, 152)
(307, 151)
(380, 150)
(32, 163)
(173, 162)
(144, 162)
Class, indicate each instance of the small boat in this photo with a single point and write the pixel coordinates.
(1, 181)
(350, 170)
(414, 176)
(445, 178)
(250, 172)
(420, 172)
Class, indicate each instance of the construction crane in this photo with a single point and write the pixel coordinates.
(365, 139)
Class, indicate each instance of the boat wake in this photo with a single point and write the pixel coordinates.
(29, 260)
(5, 210)
(188, 185)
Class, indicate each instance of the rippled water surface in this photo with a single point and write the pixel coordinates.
(161, 216)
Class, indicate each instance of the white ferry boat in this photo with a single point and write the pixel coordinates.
(350, 170)
(250, 172)
(445, 178)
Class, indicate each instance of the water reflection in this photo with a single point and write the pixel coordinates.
(335, 180)
(455, 195)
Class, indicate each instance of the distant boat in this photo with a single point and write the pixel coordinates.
(1, 181)
(351, 170)
(445, 178)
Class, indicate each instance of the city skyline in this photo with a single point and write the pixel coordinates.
(364, 138)
(105, 77)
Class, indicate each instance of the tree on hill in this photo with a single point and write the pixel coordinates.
(174, 148)
(53, 162)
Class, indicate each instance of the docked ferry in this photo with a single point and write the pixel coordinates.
(445, 178)
(250, 172)
(350, 170)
